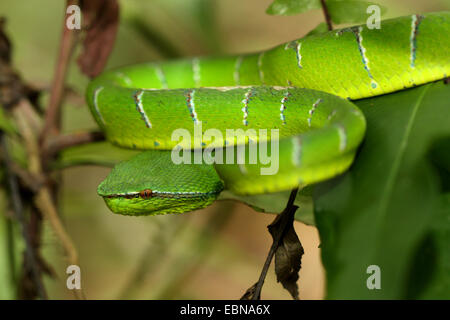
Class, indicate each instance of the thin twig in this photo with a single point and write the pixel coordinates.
(326, 14)
(43, 201)
(52, 115)
(286, 216)
(18, 209)
(58, 143)
(60, 165)
(29, 180)
(43, 198)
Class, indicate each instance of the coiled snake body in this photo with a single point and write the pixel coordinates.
(302, 89)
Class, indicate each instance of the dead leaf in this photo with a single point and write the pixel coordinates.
(100, 22)
(288, 254)
(12, 89)
(5, 44)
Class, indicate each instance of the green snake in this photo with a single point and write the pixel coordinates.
(289, 107)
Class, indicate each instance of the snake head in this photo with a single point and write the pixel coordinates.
(150, 184)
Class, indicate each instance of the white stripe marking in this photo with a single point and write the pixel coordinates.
(237, 66)
(362, 51)
(299, 55)
(97, 110)
(261, 72)
(196, 71)
(191, 105)
(140, 108)
(125, 78)
(415, 22)
(283, 106)
(342, 137)
(161, 76)
(312, 110)
(296, 46)
(245, 108)
(332, 114)
(296, 150)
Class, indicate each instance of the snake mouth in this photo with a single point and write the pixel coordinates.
(160, 203)
(147, 194)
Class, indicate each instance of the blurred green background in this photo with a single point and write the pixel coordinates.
(215, 253)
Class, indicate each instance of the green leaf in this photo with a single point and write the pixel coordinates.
(205, 14)
(341, 11)
(276, 202)
(440, 157)
(100, 153)
(432, 260)
(385, 210)
(321, 28)
(290, 7)
(350, 11)
(438, 256)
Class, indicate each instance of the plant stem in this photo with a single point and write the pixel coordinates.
(60, 142)
(326, 14)
(52, 115)
(18, 210)
(285, 216)
(43, 199)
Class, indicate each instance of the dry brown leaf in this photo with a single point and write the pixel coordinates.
(100, 22)
(288, 254)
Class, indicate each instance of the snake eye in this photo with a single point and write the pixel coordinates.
(145, 194)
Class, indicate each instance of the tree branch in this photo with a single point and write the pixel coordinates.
(58, 143)
(52, 115)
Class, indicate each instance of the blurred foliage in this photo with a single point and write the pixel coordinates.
(11, 248)
(5, 124)
(341, 11)
(276, 202)
(288, 7)
(345, 11)
(100, 153)
(176, 256)
(321, 28)
(388, 209)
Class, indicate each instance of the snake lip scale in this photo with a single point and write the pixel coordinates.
(147, 193)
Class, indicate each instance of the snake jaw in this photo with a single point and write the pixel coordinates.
(157, 204)
(150, 184)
